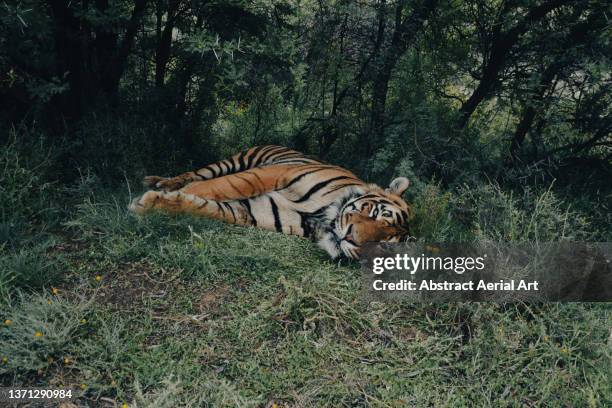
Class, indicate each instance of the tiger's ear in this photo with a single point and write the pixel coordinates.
(398, 186)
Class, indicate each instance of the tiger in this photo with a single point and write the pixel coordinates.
(280, 189)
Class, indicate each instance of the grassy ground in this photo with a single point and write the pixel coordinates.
(177, 311)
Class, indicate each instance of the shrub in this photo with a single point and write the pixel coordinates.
(487, 212)
(28, 268)
(527, 215)
(23, 192)
(38, 330)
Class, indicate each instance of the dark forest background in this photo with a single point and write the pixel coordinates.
(514, 92)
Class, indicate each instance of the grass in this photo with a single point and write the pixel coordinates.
(177, 311)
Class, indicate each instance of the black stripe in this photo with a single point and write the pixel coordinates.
(405, 217)
(269, 153)
(319, 186)
(220, 208)
(231, 161)
(246, 181)
(263, 150)
(241, 161)
(294, 154)
(199, 175)
(341, 187)
(280, 154)
(304, 223)
(296, 160)
(232, 185)
(247, 204)
(283, 154)
(366, 196)
(254, 153)
(277, 221)
(223, 167)
(231, 210)
(212, 170)
(301, 176)
(257, 177)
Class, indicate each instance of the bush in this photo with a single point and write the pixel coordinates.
(23, 192)
(527, 215)
(29, 268)
(433, 217)
(486, 212)
(37, 331)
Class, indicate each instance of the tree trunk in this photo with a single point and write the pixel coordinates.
(500, 47)
(164, 43)
(529, 111)
(94, 67)
(405, 31)
(575, 38)
(110, 78)
(68, 42)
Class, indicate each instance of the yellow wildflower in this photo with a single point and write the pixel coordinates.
(8, 322)
(98, 278)
(55, 291)
(38, 333)
(83, 386)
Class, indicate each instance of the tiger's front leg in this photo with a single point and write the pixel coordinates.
(268, 211)
(177, 202)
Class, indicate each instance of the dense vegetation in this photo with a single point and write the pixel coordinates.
(455, 90)
(498, 112)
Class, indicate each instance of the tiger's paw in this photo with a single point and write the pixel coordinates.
(151, 181)
(144, 203)
(163, 183)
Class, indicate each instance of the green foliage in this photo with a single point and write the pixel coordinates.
(434, 219)
(24, 194)
(28, 195)
(488, 213)
(38, 332)
(529, 216)
(30, 268)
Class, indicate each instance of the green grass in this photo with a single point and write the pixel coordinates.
(177, 311)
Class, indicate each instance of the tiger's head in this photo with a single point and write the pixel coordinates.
(374, 215)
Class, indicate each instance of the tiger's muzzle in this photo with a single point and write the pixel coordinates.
(355, 230)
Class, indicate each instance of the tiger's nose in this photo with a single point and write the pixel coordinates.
(349, 234)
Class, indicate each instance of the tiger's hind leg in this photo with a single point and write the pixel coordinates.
(233, 212)
(246, 160)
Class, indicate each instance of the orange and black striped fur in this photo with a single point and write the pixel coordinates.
(280, 189)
